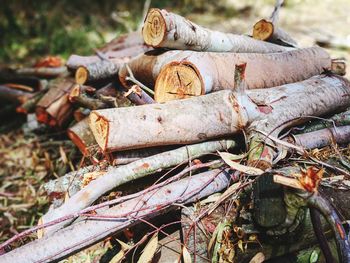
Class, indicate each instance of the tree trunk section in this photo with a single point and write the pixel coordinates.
(169, 30)
(177, 122)
(201, 73)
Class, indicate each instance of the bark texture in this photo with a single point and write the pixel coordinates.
(324, 137)
(43, 72)
(200, 73)
(87, 232)
(126, 173)
(82, 137)
(176, 122)
(169, 30)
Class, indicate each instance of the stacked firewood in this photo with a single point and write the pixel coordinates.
(172, 97)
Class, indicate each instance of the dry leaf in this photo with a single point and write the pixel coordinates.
(240, 245)
(40, 232)
(124, 246)
(149, 250)
(258, 258)
(118, 257)
(186, 255)
(239, 167)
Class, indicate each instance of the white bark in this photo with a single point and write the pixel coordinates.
(85, 233)
(169, 30)
(119, 175)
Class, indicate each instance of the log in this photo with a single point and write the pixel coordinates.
(218, 114)
(30, 105)
(81, 135)
(317, 96)
(119, 175)
(54, 108)
(87, 232)
(14, 95)
(202, 73)
(267, 30)
(322, 138)
(169, 30)
(78, 96)
(44, 72)
(101, 70)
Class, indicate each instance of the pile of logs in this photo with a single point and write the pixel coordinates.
(174, 96)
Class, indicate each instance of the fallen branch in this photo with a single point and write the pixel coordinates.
(169, 30)
(88, 232)
(201, 73)
(267, 30)
(126, 173)
(324, 137)
(14, 95)
(43, 72)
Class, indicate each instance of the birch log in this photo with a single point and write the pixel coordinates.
(169, 30)
(324, 137)
(201, 73)
(218, 114)
(85, 233)
(119, 175)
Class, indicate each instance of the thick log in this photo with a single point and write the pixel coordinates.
(54, 108)
(201, 73)
(218, 114)
(85, 233)
(119, 175)
(267, 30)
(169, 30)
(324, 137)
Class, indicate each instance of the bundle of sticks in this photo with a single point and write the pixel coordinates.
(173, 96)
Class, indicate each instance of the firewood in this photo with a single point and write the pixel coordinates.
(323, 137)
(82, 137)
(267, 30)
(201, 73)
(43, 72)
(101, 70)
(82, 234)
(54, 108)
(30, 105)
(204, 117)
(79, 96)
(14, 95)
(117, 176)
(289, 105)
(169, 30)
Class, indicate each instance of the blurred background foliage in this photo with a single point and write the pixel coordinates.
(41, 27)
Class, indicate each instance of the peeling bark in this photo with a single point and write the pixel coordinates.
(169, 30)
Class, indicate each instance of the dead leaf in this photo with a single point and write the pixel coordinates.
(186, 255)
(149, 250)
(258, 258)
(240, 245)
(239, 167)
(118, 257)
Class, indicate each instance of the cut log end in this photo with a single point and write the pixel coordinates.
(78, 142)
(154, 29)
(100, 128)
(178, 81)
(263, 30)
(81, 75)
(74, 93)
